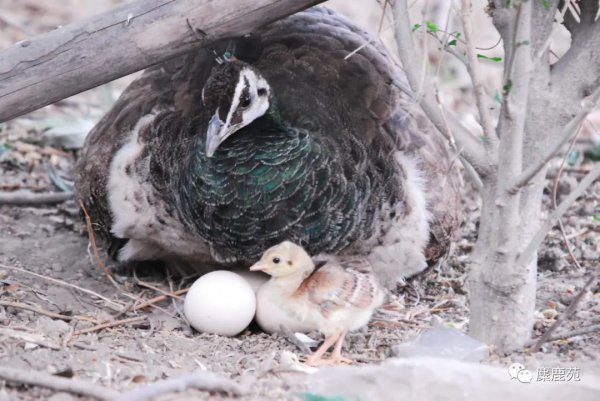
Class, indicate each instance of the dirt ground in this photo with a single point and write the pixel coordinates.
(155, 342)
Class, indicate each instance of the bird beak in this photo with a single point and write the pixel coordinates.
(259, 267)
(213, 139)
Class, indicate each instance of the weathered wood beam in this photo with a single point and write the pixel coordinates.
(83, 55)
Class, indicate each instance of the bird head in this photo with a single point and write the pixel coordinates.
(285, 259)
(237, 94)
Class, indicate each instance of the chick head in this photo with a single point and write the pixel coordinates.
(284, 259)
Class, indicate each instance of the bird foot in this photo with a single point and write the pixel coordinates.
(319, 361)
(340, 360)
(332, 360)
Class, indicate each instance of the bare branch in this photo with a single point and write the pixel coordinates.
(586, 107)
(563, 316)
(76, 386)
(530, 250)
(569, 20)
(471, 147)
(489, 132)
(133, 36)
(25, 197)
(201, 380)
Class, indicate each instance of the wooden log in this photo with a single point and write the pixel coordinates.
(83, 55)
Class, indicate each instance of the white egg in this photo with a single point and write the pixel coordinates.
(220, 302)
(270, 316)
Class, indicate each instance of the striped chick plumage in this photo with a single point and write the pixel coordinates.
(331, 295)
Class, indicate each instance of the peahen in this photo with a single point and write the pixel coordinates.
(207, 161)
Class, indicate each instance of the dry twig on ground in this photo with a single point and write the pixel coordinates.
(110, 324)
(41, 311)
(42, 379)
(28, 198)
(200, 380)
(563, 316)
(117, 307)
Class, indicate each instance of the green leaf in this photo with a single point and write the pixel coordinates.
(431, 26)
(452, 42)
(546, 4)
(415, 27)
(456, 35)
(525, 42)
(484, 57)
(596, 217)
(507, 87)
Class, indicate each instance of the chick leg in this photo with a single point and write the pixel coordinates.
(336, 355)
(316, 358)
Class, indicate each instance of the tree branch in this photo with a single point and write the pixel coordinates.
(42, 379)
(537, 239)
(80, 56)
(470, 147)
(489, 131)
(586, 107)
(563, 316)
(204, 381)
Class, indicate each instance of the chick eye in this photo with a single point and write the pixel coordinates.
(261, 91)
(245, 101)
(276, 260)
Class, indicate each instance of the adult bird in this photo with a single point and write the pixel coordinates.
(207, 161)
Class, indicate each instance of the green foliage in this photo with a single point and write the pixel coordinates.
(507, 87)
(484, 57)
(545, 4)
(456, 37)
(431, 26)
(415, 27)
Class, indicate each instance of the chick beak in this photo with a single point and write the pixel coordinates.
(259, 267)
(212, 134)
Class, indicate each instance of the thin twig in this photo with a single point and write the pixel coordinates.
(110, 324)
(92, 238)
(200, 380)
(41, 311)
(586, 107)
(153, 287)
(537, 239)
(111, 304)
(554, 204)
(159, 298)
(472, 147)
(41, 379)
(578, 332)
(563, 316)
(27, 337)
(28, 198)
(481, 98)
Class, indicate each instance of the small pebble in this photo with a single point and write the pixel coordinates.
(57, 267)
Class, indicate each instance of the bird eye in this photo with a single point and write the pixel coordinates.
(245, 101)
(276, 260)
(261, 91)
